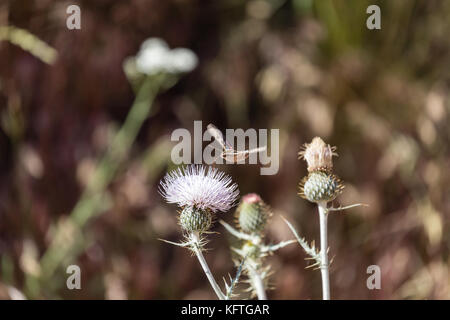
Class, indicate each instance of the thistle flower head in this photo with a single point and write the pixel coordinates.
(318, 155)
(197, 186)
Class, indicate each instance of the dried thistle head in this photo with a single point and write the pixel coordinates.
(320, 184)
(318, 155)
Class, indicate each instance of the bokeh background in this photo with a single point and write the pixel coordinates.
(71, 193)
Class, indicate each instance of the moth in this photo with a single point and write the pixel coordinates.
(228, 153)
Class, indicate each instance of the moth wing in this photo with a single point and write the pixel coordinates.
(256, 149)
(236, 155)
(214, 132)
(241, 155)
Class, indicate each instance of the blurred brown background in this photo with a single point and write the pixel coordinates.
(306, 67)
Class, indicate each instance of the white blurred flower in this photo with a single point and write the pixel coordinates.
(199, 187)
(183, 60)
(155, 56)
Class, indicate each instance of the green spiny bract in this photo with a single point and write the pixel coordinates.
(195, 220)
(251, 250)
(252, 214)
(320, 186)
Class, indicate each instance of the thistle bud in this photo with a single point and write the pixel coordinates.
(195, 220)
(320, 186)
(318, 155)
(252, 214)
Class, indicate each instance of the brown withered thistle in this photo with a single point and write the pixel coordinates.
(320, 186)
(318, 155)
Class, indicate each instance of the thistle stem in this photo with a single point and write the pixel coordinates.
(323, 216)
(196, 247)
(257, 282)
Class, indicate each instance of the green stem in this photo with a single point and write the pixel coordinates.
(257, 282)
(92, 201)
(196, 246)
(324, 265)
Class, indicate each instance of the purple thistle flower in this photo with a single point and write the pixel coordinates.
(199, 187)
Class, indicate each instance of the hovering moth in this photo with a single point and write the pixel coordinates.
(228, 153)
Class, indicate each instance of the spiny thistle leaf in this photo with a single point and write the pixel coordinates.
(181, 244)
(348, 207)
(275, 247)
(310, 250)
(230, 288)
(234, 232)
